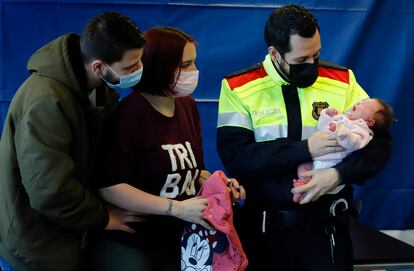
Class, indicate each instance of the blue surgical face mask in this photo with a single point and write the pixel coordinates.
(125, 81)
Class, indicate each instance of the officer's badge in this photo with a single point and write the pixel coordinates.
(317, 108)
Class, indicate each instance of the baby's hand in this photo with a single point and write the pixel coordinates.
(331, 112)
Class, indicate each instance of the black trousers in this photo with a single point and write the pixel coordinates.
(304, 245)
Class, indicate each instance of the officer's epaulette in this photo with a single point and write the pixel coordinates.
(326, 64)
(240, 78)
(252, 67)
(333, 71)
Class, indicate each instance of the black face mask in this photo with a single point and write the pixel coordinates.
(303, 75)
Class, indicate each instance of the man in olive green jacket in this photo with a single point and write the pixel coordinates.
(51, 139)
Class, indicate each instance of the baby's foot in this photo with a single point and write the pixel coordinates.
(298, 196)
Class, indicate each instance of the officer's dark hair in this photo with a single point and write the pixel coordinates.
(107, 36)
(286, 21)
(383, 117)
(161, 57)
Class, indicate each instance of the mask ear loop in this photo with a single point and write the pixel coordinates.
(279, 67)
(176, 78)
(283, 59)
(114, 72)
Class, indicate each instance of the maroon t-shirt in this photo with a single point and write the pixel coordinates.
(155, 153)
(158, 154)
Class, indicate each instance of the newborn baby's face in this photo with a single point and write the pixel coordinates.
(365, 109)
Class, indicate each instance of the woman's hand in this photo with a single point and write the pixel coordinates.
(191, 210)
(236, 190)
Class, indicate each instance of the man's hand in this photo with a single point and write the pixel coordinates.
(323, 142)
(118, 219)
(323, 181)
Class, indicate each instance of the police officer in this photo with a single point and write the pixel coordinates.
(267, 127)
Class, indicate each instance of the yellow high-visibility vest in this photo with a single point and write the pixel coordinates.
(253, 99)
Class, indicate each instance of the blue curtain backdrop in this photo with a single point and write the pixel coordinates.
(372, 37)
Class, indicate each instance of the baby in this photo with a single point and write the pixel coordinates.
(354, 130)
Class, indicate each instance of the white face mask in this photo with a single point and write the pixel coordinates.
(186, 83)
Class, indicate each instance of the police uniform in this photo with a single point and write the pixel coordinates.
(263, 126)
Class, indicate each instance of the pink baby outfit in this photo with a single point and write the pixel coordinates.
(351, 134)
(219, 250)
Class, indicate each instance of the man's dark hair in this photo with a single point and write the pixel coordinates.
(161, 58)
(107, 36)
(286, 21)
(383, 117)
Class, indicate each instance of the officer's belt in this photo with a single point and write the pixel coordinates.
(320, 216)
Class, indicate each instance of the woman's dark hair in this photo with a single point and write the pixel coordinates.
(107, 36)
(286, 21)
(161, 57)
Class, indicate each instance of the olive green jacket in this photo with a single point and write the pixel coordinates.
(47, 154)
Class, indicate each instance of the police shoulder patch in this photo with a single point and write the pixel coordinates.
(317, 107)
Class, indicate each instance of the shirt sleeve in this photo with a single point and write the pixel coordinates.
(43, 141)
(231, 110)
(355, 93)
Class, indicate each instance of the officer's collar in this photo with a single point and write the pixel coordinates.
(278, 77)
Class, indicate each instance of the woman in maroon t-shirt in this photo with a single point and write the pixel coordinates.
(156, 164)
